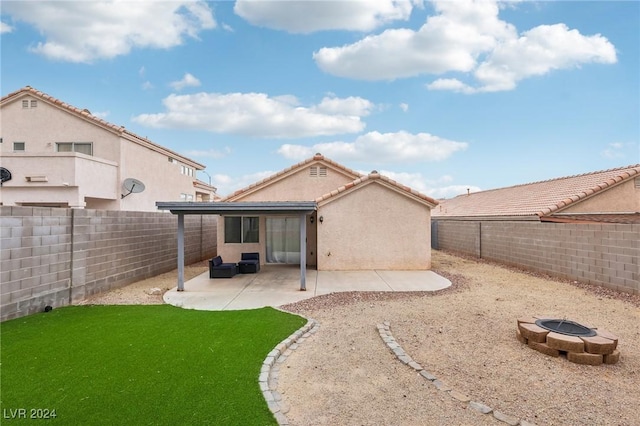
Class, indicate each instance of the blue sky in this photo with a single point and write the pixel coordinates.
(441, 96)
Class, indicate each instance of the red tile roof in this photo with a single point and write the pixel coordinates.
(374, 176)
(537, 198)
(86, 114)
(288, 171)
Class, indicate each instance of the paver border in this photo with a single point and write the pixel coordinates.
(268, 379)
(384, 330)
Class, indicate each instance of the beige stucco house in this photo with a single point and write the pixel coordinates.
(62, 156)
(602, 196)
(360, 222)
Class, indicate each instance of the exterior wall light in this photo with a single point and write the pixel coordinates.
(311, 219)
(321, 218)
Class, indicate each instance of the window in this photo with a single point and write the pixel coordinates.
(34, 103)
(187, 171)
(81, 147)
(18, 146)
(241, 229)
(186, 197)
(25, 104)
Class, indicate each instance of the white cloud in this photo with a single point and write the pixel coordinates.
(404, 107)
(85, 31)
(466, 37)
(615, 150)
(434, 188)
(304, 16)
(147, 85)
(101, 114)
(449, 41)
(5, 28)
(258, 115)
(187, 81)
(226, 184)
(380, 148)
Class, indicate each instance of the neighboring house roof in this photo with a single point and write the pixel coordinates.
(318, 158)
(86, 115)
(372, 177)
(537, 199)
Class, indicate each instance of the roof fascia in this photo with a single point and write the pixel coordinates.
(236, 208)
(283, 174)
(363, 184)
(528, 218)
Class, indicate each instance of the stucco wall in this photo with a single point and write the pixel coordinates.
(599, 254)
(623, 198)
(300, 186)
(374, 228)
(78, 180)
(60, 256)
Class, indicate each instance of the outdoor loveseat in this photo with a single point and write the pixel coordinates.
(218, 269)
(249, 263)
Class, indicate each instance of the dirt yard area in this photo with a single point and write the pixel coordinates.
(466, 336)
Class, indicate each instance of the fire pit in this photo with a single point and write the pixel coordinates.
(567, 327)
(580, 343)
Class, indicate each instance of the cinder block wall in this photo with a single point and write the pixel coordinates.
(599, 254)
(60, 256)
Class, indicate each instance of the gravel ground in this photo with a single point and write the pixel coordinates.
(465, 335)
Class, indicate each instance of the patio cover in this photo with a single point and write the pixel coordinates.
(280, 208)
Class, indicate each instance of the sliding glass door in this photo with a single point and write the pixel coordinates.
(283, 240)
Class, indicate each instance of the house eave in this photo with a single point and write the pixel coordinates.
(240, 208)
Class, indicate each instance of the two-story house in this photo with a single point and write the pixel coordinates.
(56, 155)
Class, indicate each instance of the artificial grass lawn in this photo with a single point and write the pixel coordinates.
(140, 364)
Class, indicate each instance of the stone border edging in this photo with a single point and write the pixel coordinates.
(268, 379)
(384, 330)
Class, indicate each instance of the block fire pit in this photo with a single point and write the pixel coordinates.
(582, 344)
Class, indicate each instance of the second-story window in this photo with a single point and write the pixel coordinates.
(81, 147)
(185, 170)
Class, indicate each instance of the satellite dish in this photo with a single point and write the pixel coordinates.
(5, 175)
(131, 186)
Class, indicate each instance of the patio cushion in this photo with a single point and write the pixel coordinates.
(218, 269)
(249, 263)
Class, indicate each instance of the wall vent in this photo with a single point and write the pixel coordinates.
(637, 182)
(36, 179)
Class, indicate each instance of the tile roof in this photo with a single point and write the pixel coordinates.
(86, 114)
(537, 198)
(288, 171)
(374, 175)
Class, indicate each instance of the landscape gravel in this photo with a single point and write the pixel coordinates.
(465, 336)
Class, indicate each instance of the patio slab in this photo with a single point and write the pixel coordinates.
(277, 285)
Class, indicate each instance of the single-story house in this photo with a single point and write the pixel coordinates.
(584, 228)
(323, 215)
(362, 222)
(603, 196)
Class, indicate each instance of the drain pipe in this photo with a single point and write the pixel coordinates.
(72, 249)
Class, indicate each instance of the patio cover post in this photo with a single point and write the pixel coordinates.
(303, 252)
(180, 252)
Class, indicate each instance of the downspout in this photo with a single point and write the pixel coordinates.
(180, 252)
(303, 252)
(73, 221)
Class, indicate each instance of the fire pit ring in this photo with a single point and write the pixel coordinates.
(579, 343)
(569, 328)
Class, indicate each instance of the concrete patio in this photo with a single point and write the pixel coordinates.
(277, 285)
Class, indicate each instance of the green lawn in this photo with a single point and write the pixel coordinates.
(140, 365)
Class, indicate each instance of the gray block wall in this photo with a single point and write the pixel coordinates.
(61, 256)
(600, 254)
